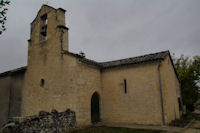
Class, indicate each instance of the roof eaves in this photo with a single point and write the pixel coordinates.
(11, 72)
(174, 67)
(90, 62)
(136, 60)
(72, 54)
(129, 64)
(82, 58)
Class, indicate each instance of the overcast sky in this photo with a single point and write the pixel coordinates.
(108, 29)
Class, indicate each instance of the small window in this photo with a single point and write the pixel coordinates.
(42, 82)
(125, 86)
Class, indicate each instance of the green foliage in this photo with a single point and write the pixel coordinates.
(189, 75)
(115, 130)
(184, 120)
(3, 11)
(197, 104)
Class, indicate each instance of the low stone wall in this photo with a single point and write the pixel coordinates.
(45, 122)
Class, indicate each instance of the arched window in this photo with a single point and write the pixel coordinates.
(95, 111)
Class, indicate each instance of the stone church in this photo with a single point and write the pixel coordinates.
(141, 90)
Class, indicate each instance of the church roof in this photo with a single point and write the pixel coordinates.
(122, 62)
(14, 71)
(154, 57)
(148, 58)
(136, 60)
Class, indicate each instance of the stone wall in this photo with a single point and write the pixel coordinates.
(17, 80)
(68, 83)
(45, 122)
(4, 98)
(10, 94)
(171, 91)
(140, 104)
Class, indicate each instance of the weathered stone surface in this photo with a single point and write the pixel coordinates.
(43, 113)
(10, 94)
(45, 122)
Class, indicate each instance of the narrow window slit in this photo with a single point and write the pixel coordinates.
(125, 86)
(42, 82)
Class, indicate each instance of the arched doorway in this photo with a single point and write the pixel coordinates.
(95, 113)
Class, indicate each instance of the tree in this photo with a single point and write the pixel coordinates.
(3, 11)
(189, 75)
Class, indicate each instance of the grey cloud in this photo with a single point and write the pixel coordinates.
(109, 29)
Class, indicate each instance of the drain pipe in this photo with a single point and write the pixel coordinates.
(161, 95)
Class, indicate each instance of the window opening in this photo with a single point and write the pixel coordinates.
(95, 110)
(43, 30)
(42, 82)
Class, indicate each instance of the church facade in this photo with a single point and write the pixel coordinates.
(141, 90)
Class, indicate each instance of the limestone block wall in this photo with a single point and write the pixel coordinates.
(88, 83)
(46, 64)
(10, 95)
(171, 91)
(17, 81)
(40, 51)
(66, 81)
(69, 83)
(141, 104)
(4, 98)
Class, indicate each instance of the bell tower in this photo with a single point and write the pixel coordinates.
(49, 35)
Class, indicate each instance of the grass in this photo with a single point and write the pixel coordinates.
(104, 129)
